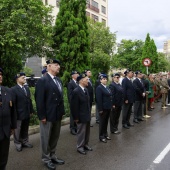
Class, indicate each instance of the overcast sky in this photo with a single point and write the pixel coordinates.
(133, 19)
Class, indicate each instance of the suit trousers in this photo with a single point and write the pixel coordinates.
(83, 134)
(138, 109)
(97, 113)
(73, 125)
(103, 123)
(21, 133)
(114, 118)
(4, 150)
(168, 96)
(164, 97)
(49, 135)
(126, 112)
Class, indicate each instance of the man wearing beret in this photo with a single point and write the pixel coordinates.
(129, 98)
(90, 88)
(8, 121)
(44, 71)
(50, 109)
(139, 97)
(80, 108)
(24, 109)
(71, 86)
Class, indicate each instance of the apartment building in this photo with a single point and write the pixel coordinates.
(166, 49)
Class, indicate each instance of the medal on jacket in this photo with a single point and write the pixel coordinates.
(10, 103)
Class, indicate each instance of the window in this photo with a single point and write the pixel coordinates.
(57, 3)
(94, 3)
(104, 21)
(103, 10)
(104, 0)
(46, 2)
(95, 18)
(88, 1)
(88, 14)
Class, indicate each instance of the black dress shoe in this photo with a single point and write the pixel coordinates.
(81, 152)
(108, 138)
(27, 145)
(50, 165)
(19, 149)
(126, 126)
(130, 125)
(58, 161)
(91, 125)
(86, 147)
(140, 119)
(103, 140)
(149, 109)
(97, 121)
(135, 121)
(116, 132)
(73, 132)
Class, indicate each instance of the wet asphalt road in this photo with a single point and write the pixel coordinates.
(134, 149)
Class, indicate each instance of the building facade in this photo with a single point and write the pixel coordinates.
(166, 49)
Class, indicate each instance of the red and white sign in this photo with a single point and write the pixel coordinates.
(147, 62)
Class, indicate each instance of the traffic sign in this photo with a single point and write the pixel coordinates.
(147, 62)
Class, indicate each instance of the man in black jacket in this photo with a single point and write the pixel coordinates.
(80, 108)
(139, 97)
(7, 122)
(24, 109)
(50, 109)
(71, 86)
(129, 98)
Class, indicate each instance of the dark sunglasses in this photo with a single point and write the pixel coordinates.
(117, 77)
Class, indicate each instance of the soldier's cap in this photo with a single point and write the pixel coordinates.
(86, 70)
(81, 76)
(115, 74)
(102, 76)
(44, 71)
(19, 75)
(138, 72)
(74, 72)
(127, 71)
(53, 61)
(1, 71)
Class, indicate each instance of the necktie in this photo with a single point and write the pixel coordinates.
(85, 92)
(24, 90)
(0, 90)
(108, 89)
(90, 81)
(58, 84)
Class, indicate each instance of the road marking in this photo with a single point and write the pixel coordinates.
(160, 157)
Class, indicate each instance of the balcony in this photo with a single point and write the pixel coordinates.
(92, 8)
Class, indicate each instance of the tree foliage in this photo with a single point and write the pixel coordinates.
(71, 37)
(25, 29)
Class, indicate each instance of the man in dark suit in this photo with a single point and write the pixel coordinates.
(117, 100)
(24, 109)
(50, 109)
(80, 107)
(90, 88)
(129, 98)
(139, 97)
(71, 86)
(7, 121)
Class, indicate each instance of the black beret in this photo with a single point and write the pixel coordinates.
(115, 74)
(53, 61)
(1, 70)
(85, 71)
(102, 76)
(44, 71)
(19, 75)
(81, 76)
(127, 71)
(74, 72)
(138, 72)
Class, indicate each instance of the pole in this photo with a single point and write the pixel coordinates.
(147, 70)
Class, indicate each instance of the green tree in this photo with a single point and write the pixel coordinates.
(71, 37)
(102, 43)
(150, 51)
(25, 30)
(128, 55)
(163, 63)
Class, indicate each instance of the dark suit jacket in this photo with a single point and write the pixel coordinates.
(90, 90)
(139, 89)
(103, 98)
(70, 87)
(8, 117)
(23, 102)
(49, 99)
(128, 90)
(80, 105)
(117, 94)
(146, 84)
